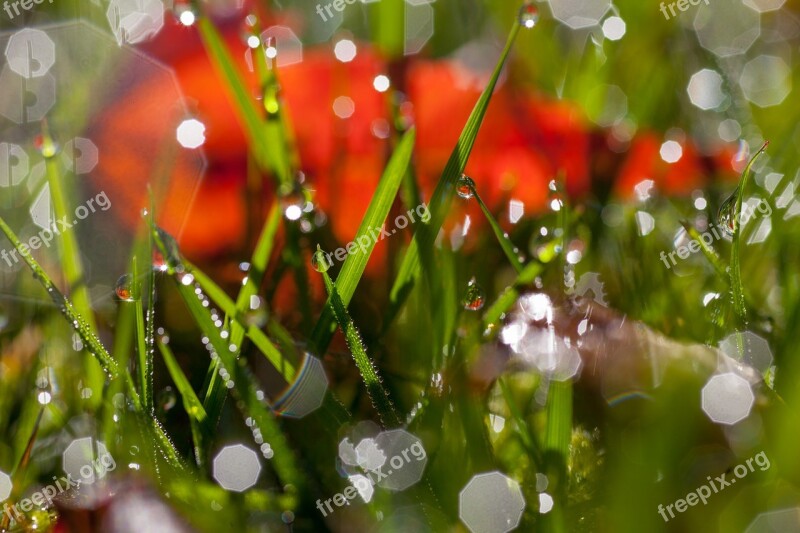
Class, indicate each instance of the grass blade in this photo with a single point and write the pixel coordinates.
(372, 381)
(737, 287)
(354, 265)
(443, 195)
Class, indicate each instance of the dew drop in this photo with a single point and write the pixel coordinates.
(321, 261)
(474, 299)
(465, 187)
(528, 15)
(167, 399)
(45, 145)
(124, 288)
(726, 218)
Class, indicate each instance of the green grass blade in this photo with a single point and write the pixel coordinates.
(249, 115)
(258, 265)
(284, 366)
(67, 308)
(737, 287)
(707, 250)
(354, 265)
(511, 293)
(191, 403)
(505, 244)
(442, 198)
(372, 381)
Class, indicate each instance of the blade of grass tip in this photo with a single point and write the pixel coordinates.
(502, 238)
(737, 287)
(442, 197)
(191, 403)
(72, 265)
(372, 381)
(240, 95)
(374, 218)
(255, 275)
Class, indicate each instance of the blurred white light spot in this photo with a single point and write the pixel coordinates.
(253, 41)
(381, 83)
(187, 17)
(345, 50)
(645, 222)
(727, 28)
(491, 503)
(671, 151)
(5, 486)
(344, 107)
(762, 6)
(515, 211)
(236, 468)
(727, 398)
(545, 503)
(729, 130)
(700, 203)
(579, 13)
(705, 89)
(614, 28)
(749, 348)
(776, 521)
(191, 133)
(766, 80)
(293, 212)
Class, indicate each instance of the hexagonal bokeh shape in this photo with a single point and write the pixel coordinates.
(419, 27)
(404, 459)
(579, 13)
(5, 486)
(727, 398)
(116, 124)
(780, 521)
(748, 347)
(30, 53)
(134, 21)
(80, 155)
(727, 28)
(236, 468)
(607, 105)
(705, 89)
(306, 393)
(491, 503)
(766, 80)
(283, 44)
(763, 6)
(85, 460)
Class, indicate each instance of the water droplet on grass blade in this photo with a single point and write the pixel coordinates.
(475, 298)
(726, 216)
(124, 288)
(465, 187)
(528, 15)
(46, 146)
(167, 399)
